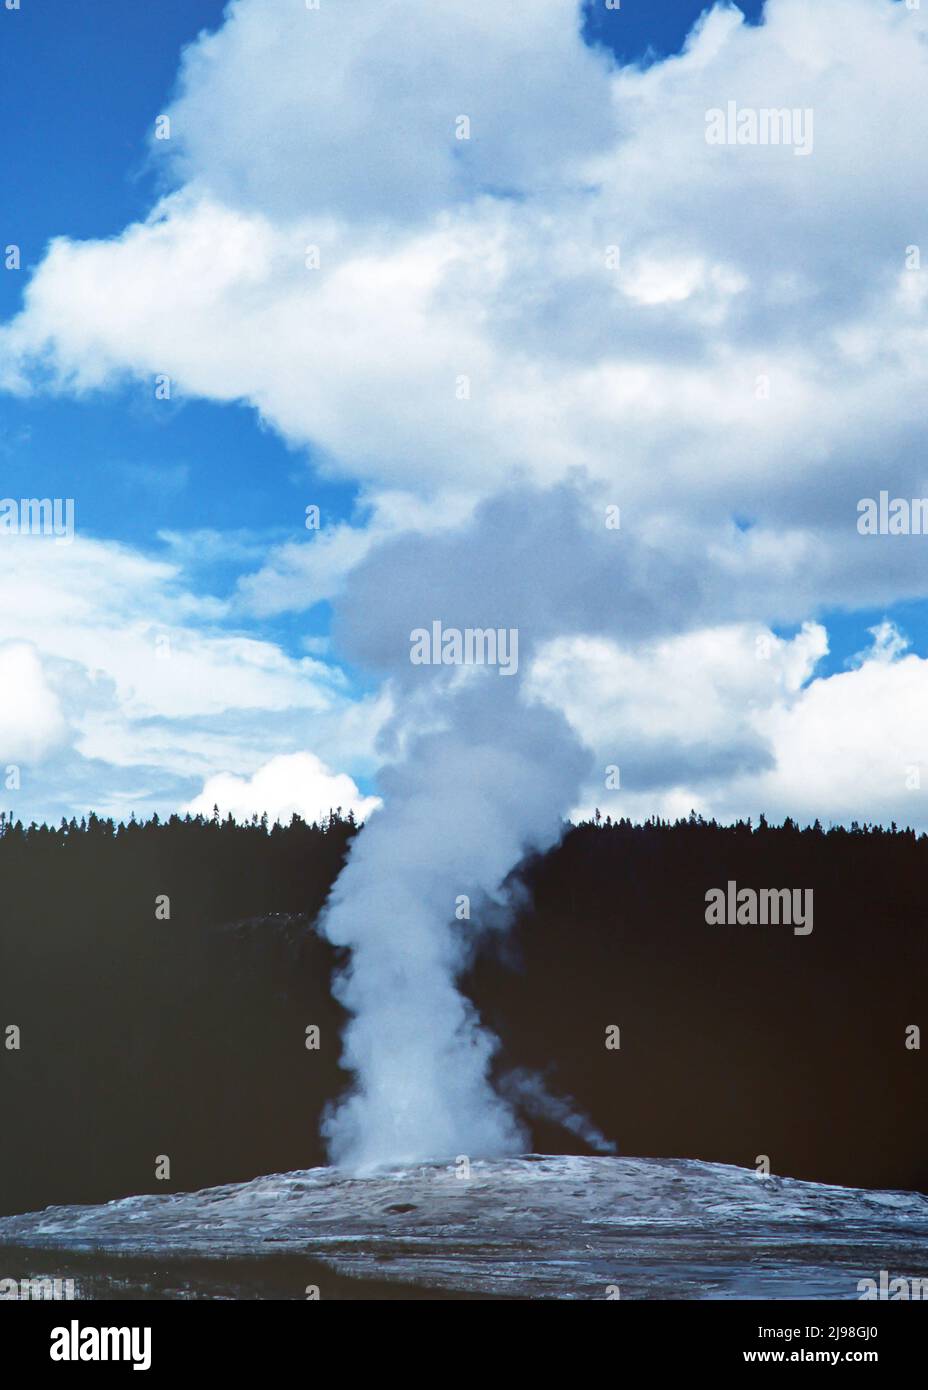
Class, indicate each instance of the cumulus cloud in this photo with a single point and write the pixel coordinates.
(852, 747)
(292, 784)
(32, 723)
(708, 332)
(679, 712)
(568, 286)
(380, 86)
(735, 722)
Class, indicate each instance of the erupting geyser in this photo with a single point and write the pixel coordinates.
(460, 812)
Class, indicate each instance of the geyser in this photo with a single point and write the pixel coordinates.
(461, 809)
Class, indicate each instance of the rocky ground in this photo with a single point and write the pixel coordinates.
(529, 1227)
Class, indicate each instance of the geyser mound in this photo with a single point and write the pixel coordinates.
(525, 1227)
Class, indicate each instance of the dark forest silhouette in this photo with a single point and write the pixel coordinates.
(185, 1037)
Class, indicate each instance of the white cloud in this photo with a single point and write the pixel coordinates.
(487, 259)
(851, 748)
(128, 618)
(378, 87)
(295, 783)
(107, 654)
(694, 688)
(32, 723)
(888, 643)
(734, 722)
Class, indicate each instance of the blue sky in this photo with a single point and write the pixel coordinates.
(216, 488)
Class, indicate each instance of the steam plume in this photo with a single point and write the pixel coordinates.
(461, 810)
(480, 779)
